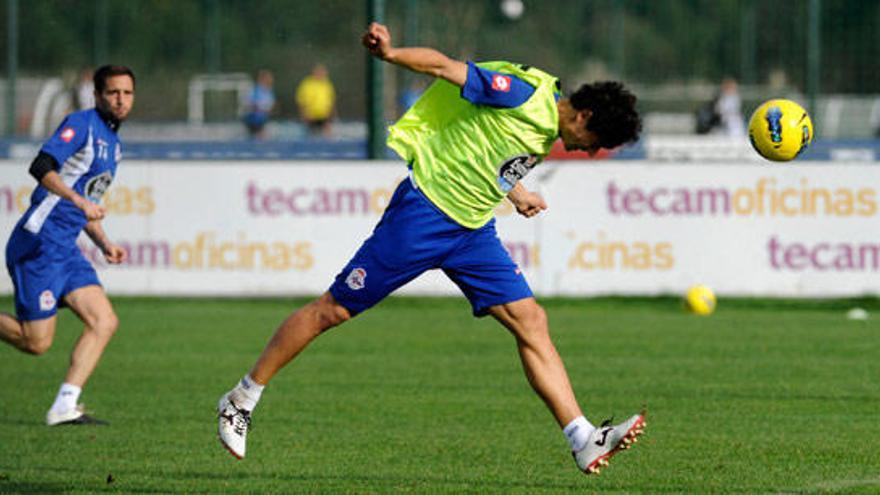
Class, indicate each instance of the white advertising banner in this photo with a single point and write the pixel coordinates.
(287, 228)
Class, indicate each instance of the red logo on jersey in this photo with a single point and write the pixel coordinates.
(67, 134)
(501, 83)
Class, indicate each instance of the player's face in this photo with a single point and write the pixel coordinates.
(574, 133)
(117, 97)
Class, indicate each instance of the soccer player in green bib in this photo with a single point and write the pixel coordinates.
(468, 140)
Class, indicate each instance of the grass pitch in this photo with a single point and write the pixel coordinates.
(418, 396)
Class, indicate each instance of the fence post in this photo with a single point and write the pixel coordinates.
(375, 90)
(11, 64)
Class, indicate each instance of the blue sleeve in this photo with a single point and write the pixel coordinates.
(69, 138)
(496, 89)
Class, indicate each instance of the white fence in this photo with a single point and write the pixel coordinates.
(271, 228)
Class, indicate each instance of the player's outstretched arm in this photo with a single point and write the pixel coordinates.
(428, 61)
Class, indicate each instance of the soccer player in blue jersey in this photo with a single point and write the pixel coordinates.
(73, 170)
(468, 140)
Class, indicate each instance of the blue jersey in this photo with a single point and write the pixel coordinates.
(87, 151)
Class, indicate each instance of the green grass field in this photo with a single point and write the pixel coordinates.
(418, 396)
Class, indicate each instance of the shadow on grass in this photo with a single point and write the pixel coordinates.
(32, 487)
(12, 421)
(437, 484)
(9, 486)
(382, 483)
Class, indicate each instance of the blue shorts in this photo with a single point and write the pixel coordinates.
(414, 236)
(43, 273)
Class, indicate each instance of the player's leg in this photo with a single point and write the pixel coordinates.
(93, 307)
(379, 267)
(36, 285)
(591, 447)
(292, 336)
(36, 282)
(10, 330)
(100, 323)
(543, 367)
(295, 333)
(483, 270)
(33, 337)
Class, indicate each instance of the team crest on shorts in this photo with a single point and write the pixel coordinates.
(356, 280)
(47, 300)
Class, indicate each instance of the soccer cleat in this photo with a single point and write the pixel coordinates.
(75, 416)
(607, 440)
(233, 424)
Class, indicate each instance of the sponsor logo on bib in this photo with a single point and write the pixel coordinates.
(514, 169)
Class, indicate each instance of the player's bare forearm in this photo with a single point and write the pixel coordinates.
(527, 203)
(431, 62)
(96, 233)
(112, 253)
(428, 61)
(53, 182)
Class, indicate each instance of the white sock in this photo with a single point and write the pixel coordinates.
(247, 393)
(66, 399)
(578, 432)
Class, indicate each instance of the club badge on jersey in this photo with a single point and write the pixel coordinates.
(97, 186)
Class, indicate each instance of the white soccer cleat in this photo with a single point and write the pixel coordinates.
(233, 424)
(607, 440)
(75, 416)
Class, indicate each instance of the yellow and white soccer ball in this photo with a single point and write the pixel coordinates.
(700, 300)
(780, 130)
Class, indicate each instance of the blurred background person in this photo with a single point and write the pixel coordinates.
(316, 100)
(84, 92)
(260, 104)
(728, 107)
(722, 115)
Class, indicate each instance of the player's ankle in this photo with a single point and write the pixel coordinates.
(247, 393)
(577, 432)
(67, 397)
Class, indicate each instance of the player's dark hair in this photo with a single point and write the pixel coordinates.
(107, 71)
(614, 118)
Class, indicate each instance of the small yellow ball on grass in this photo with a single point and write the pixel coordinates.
(700, 300)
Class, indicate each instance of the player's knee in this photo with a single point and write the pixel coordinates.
(330, 313)
(36, 346)
(105, 325)
(533, 323)
(109, 324)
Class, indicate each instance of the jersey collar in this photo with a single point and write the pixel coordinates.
(108, 119)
